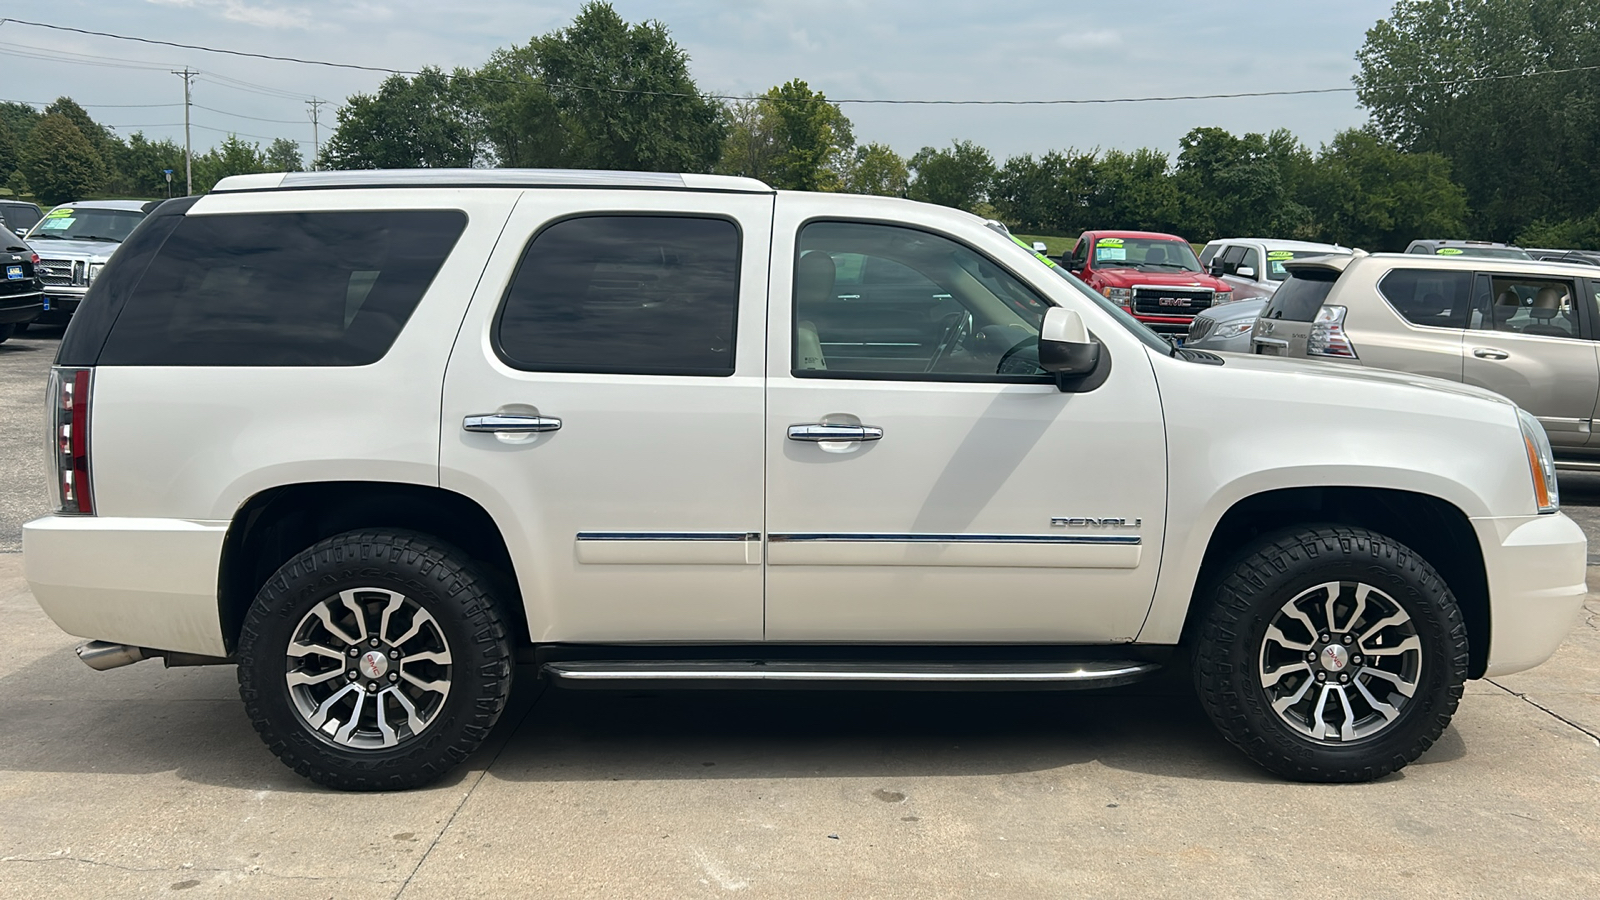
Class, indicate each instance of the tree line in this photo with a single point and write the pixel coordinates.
(1452, 149)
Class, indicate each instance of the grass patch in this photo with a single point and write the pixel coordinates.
(1057, 246)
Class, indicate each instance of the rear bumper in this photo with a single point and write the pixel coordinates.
(143, 582)
(1536, 567)
(20, 308)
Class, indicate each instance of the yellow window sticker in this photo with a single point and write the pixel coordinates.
(1448, 251)
(1280, 254)
(1108, 242)
(59, 214)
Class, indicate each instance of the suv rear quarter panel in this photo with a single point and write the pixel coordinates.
(196, 442)
(1382, 338)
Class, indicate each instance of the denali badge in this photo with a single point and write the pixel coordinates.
(1079, 521)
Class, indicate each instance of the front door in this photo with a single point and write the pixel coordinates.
(604, 403)
(1528, 340)
(924, 482)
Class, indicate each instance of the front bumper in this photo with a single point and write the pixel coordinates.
(142, 582)
(60, 303)
(1536, 567)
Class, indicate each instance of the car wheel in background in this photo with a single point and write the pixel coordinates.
(1331, 654)
(375, 660)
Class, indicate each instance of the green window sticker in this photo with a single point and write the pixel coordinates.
(1280, 254)
(1108, 242)
(1448, 251)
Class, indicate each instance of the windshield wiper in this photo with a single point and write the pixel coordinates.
(1179, 266)
(39, 237)
(95, 237)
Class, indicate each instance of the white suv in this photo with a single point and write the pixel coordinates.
(373, 436)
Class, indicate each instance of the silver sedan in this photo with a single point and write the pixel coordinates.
(1225, 327)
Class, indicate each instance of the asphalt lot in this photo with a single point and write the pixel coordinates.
(146, 781)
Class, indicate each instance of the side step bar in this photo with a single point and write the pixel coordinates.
(736, 674)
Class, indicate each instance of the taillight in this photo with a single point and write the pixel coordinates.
(1327, 336)
(70, 391)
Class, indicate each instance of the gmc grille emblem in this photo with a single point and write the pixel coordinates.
(1174, 301)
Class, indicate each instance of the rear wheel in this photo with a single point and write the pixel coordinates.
(1331, 654)
(374, 660)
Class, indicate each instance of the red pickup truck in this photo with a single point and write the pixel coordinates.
(1154, 276)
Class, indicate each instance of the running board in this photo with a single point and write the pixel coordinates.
(745, 674)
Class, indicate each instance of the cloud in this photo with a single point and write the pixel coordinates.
(1105, 37)
(261, 15)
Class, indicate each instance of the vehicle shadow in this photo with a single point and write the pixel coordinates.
(63, 718)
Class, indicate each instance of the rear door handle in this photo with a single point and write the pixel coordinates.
(1490, 353)
(818, 433)
(503, 423)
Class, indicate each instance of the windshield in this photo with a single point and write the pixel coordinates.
(1491, 252)
(1144, 254)
(86, 224)
(1276, 259)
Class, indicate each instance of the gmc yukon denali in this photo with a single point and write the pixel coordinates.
(374, 437)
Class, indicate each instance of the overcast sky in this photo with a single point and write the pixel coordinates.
(882, 49)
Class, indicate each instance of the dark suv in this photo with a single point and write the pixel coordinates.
(21, 293)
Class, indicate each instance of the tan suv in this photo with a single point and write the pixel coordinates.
(1524, 329)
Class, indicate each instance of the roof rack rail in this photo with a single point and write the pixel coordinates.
(514, 178)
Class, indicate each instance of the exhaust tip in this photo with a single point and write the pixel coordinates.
(103, 655)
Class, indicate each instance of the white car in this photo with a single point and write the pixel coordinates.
(1255, 266)
(372, 436)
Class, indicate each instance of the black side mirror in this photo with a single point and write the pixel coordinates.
(1216, 269)
(1065, 348)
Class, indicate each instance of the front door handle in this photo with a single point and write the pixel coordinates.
(1490, 353)
(506, 423)
(819, 433)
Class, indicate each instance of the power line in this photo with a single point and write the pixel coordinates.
(252, 118)
(1073, 101)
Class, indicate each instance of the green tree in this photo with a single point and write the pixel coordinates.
(421, 122)
(960, 176)
(142, 161)
(20, 117)
(751, 146)
(814, 138)
(1439, 76)
(231, 157)
(877, 169)
(623, 95)
(1240, 185)
(10, 148)
(516, 117)
(1369, 193)
(59, 163)
(283, 155)
(1136, 191)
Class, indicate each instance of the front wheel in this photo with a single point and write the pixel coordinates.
(1331, 654)
(375, 660)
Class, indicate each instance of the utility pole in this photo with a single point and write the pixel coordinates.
(188, 75)
(316, 107)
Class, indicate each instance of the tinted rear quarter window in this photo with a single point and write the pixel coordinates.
(1431, 297)
(1299, 298)
(282, 289)
(619, 294)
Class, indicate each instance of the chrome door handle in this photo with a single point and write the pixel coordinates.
(502, 423)
(819, 433)
(1489, 353)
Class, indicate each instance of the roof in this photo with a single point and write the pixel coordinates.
(1454, 242)
(1284, 245)
(135, 205)
(1469, 263)
(510, 178)
(1157, 235)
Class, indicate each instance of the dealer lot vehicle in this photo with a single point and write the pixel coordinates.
(1490, 249)
(19, 215)
(1254, 267)
(649, 429)
(21, 295)
(1226, 328)
(1520, 328)
(75, 240)
(1153, 276)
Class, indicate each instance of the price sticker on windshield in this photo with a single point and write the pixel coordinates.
(54, 222)
(1108, 242)
(62, 213)
(1448, 251)
(1280, 254)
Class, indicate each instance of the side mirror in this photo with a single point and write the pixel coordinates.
(1039, 247)
(1245, 272)
(1065, 349)
(1215, 268)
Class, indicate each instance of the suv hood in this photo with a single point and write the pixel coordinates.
(1130, 277)
(94, 251)
(1356, 375)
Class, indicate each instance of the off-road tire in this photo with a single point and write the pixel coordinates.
(1251, 593)
(440, 580)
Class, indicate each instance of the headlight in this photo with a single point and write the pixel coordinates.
(1123, 296)
(1221, 297)
(1234, 329)
(94, 270)
(1541, 463)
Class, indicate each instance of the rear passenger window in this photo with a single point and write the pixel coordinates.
(632, 295)
(1521, 304)
(282, 289)
(1431, 297)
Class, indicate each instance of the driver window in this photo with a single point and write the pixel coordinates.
(1253, 260)
(881, 301)
(1230, 260)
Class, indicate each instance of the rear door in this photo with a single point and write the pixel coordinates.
(604, 403)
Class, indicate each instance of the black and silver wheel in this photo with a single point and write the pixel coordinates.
(374, 660)
(1331, 654)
